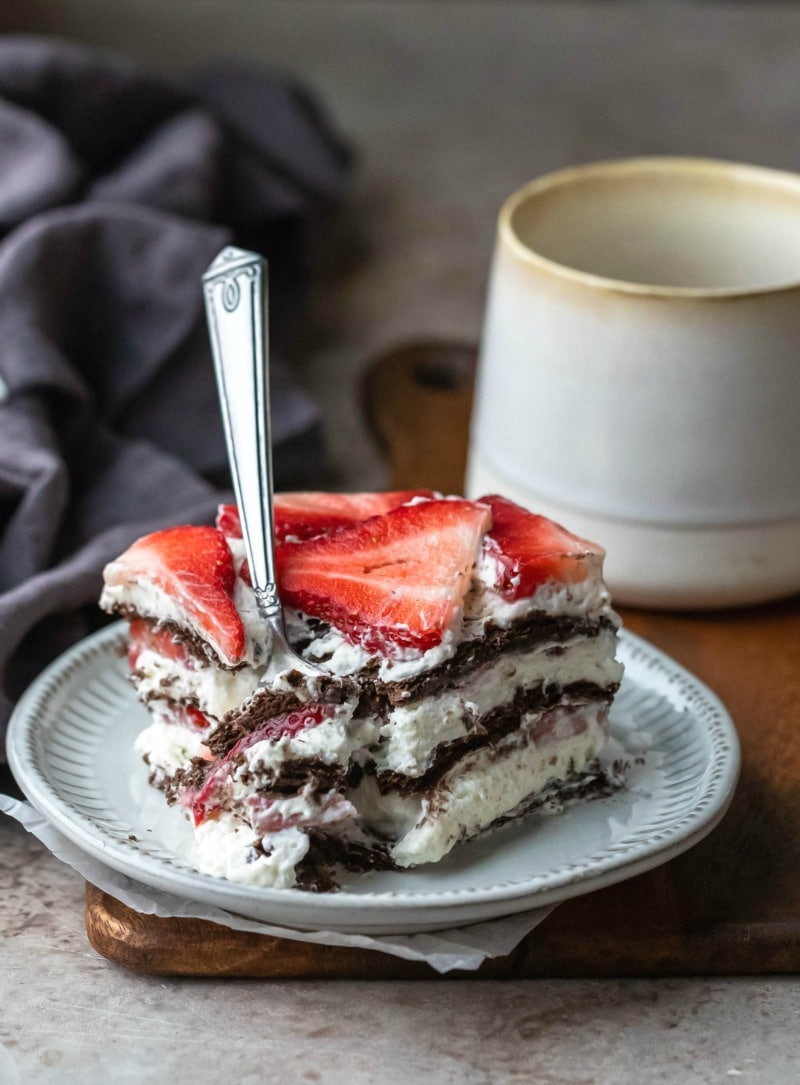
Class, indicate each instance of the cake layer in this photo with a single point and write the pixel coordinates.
(228, 847)
(487, 785)
(494, 729)
(413, 734)
(408, 740)
(217, 691)
(482, 791)
(214, 690)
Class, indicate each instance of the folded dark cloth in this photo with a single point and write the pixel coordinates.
(116, 192)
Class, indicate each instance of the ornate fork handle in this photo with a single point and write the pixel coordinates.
(235, 288)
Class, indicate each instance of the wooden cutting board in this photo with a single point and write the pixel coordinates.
(730, 905)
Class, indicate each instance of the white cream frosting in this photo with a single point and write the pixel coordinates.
(229, 846)
(552, 597)
(168, 747)
(214, 690)
(146, 599)
(226, 846)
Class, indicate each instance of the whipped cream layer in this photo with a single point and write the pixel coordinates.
(405, 741)
(332, 742)
(228, 847)
(213, 690)
(483, 787)
(167, 746)
(411, 734)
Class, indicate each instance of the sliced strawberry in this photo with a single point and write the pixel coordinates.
(194, 567)
(306, 515)
(393, 581)
(228, 521)
(145, 635)
(206, 801)
(530, 549)
(193, 717)
(290, 723)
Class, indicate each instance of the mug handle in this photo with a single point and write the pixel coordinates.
(417, 402)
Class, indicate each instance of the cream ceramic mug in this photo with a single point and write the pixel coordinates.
(639, 374)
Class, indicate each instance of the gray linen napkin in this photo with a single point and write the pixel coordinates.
(116, 192)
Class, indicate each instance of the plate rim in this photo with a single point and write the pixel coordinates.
(445, 907)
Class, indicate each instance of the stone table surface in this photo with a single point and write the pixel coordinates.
(452, 106)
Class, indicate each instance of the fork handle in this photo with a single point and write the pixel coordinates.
(235, 288)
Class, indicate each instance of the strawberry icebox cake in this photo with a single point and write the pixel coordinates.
(467, 665)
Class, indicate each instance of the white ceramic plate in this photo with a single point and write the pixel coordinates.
(70, 745)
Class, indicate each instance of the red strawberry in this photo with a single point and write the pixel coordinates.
(193, 566)
(306, 515)
(392, 581)
(228, 521)
(531, 549)
(206, 801)
(145, 635)
(192, 717)
(290, 723)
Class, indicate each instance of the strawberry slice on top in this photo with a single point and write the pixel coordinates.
(530, 549)
(302, 515)
(192, 567)
(391, 582)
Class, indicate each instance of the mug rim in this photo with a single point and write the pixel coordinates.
(765, 176)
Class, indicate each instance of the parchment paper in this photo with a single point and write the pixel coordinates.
(457, 948)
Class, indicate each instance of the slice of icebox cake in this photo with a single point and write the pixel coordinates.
(467, 654)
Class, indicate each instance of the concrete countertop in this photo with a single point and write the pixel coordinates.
(451, 105)
(70, 1018)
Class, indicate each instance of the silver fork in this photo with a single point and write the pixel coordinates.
(235, 290)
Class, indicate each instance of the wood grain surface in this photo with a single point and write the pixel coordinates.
(730, 905)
